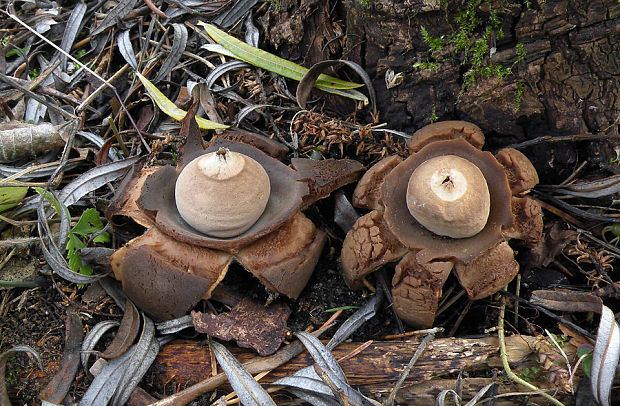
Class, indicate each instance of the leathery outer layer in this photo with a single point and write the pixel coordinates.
(168, 269)
(483, 263)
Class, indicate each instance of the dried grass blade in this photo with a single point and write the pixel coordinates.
(175, 325)
(126, 49)
(173, 111)
(591, 189)
(116, 14)
(74, 23)
(361, 316)
(4, 357)
(270, 62)
(118, 375)
(311, 390)
(248, 390)
(329, 367)
(567, 301)
(126, 334)
(347, 328)
(234, 14)
(310, 79)
(251, 32)
(92, 338)
(345, 214)
(481, 393)
(242, 114)
(605, 357)
(141, 359)
(93, 179)
(440, 400)
(322, 356)
(59, 386)
(222, 69)
(179, 42)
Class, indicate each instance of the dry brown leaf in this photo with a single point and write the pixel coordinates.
(252, 325)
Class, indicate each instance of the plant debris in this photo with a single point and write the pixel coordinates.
(250, 324)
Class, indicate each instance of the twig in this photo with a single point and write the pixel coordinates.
(502, 349)
(10, 81)
(547, 313)
(459, 320)
(118, 136)
(566, 138)
(412, 361)
(450, 302)
(154, 9)
(388, 295)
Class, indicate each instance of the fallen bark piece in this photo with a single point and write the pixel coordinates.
(250, 324)
(22, 140)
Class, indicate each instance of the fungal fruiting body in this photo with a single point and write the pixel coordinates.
(222, 193)
(447, 207)
(449, 196)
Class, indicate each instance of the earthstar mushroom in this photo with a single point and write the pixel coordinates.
(178, 261)
(427, 234)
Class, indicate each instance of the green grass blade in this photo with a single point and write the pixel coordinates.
(350, 93)
(170, 109)
(11, 196)
(270, 62)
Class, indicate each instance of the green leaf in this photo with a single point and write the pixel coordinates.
(271, 62)
(89, 223)
(102, 238)
(11, 196)
(587, 361)
(50, 199)
(170, 109)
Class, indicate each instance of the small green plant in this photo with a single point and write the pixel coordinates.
(33, 73)
(15, 52)
(78, 55)
(426, 65)
(88, 224)
(434, 116)
(561, 339)
(518, 96)
(472, 49)
(531, 374)
(434, 43)
(585, 351)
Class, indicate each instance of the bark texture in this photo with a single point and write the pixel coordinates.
(567, 81)
(570, 74)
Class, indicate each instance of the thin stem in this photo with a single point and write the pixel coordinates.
(504, 356)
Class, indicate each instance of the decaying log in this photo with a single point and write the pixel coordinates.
(375, 369)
